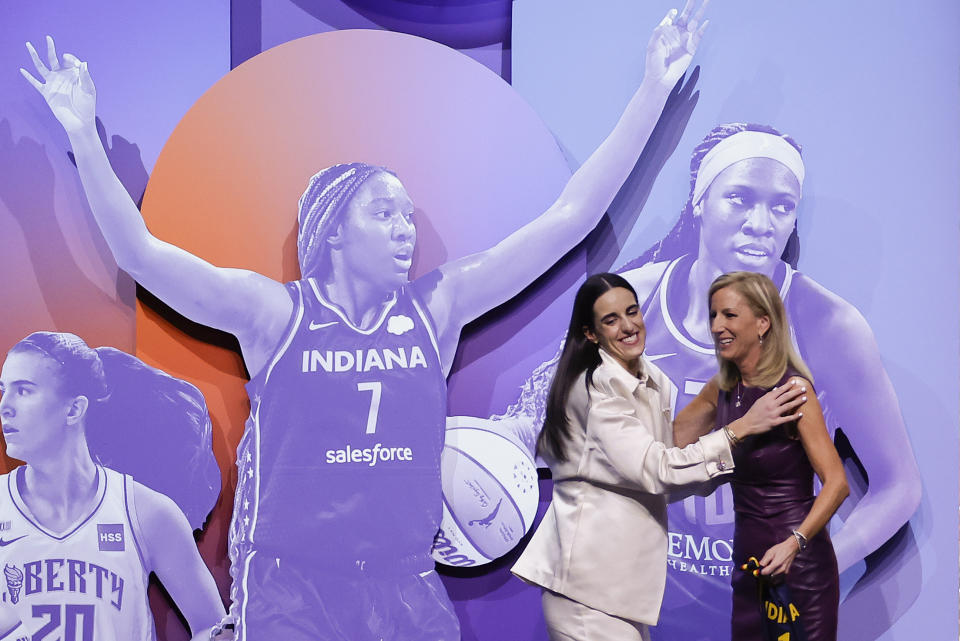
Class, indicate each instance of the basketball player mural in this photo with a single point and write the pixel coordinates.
(741, 214)
(79, 538)
(351, 360)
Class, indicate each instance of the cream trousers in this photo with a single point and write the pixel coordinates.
(569, 620)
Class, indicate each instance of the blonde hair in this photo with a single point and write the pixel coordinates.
(777, 351)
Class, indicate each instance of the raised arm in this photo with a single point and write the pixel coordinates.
(475, 284)
(172, 553)
(863, 403)
(251, 306)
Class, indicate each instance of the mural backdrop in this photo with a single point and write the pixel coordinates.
(483, 110)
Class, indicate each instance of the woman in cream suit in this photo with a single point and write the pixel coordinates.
(600, 553)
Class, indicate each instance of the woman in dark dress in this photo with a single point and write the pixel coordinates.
(778, 517)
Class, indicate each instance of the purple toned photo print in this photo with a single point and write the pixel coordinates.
(874, 300)
(339, 491)
(741, 214)
(79, 536)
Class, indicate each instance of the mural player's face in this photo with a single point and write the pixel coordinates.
(377, 236)
(33, 410)
(618, 327)
(747, 215)
(736, 329)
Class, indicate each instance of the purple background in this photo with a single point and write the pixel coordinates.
(872, 97)
(57, 271)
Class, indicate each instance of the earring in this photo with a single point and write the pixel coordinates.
(697, 210)
(761, 339)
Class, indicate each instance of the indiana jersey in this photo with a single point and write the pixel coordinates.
(86, 583)
(340, 461)
(700, 528)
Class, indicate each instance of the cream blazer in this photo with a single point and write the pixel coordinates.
(603, 540)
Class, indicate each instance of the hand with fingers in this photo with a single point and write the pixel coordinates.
(66, 86)
(673, 43)
(779, 558)
(776, 407)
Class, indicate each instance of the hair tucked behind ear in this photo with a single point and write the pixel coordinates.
(579, 355)
(140, 420)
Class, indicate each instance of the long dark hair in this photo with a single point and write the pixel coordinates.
(684, 237)
(140, 420)
(579, 355)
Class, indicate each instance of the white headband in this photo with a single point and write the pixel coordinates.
(743, 145)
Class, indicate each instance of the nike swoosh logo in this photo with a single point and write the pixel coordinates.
(315, 325)
(657, 357)
(4, 544)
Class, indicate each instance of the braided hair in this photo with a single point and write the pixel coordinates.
(321, 207)
(684, 237)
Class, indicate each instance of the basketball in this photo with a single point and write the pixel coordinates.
(490, 493)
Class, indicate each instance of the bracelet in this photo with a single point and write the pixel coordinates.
(734, 441)
(801, 540)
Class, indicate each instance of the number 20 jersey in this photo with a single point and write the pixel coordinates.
(340, 460)
(87, 583)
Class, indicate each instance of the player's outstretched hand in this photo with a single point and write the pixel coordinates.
(673, 43)
(66, 86)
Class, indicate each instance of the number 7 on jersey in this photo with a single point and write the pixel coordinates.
(376, 390)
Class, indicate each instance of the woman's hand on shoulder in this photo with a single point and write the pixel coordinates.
(778, 406)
